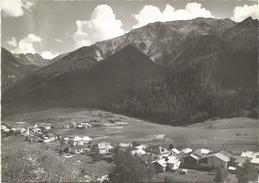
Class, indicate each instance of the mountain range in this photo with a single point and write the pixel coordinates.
(15, 67)
(172, 72)
(159, 41)
(12, 69)
(34, 59)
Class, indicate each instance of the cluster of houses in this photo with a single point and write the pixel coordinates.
(74, 145)
(33, 131)
(250, 156)
(83, 145)
(171, 159)
(73, 124)
(163, 159)
(8, 130)
(39, 134)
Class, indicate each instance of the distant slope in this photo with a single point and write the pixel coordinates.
(59, 66)
(12, 70)
(106, 81)
(32, 59)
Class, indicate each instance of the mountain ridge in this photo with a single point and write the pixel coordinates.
(168, 36)
(205, 68)
(12, 69)
(32, 59)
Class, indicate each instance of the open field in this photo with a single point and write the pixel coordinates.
(234, 135)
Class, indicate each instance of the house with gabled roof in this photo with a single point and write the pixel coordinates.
(86, 124)
(160, 165)
(190, 160)
(214, 161)
(252, 157)
(175, 151)
(124, 146)
(201, 152)
(87, 139)
(248, 154)
(138, 151)
(186, 150)
(104, 148)
(5, 128)
(255, 163)
(225, 153)
(166, 163)
(157, 150)
(173, 163)
(50, 137)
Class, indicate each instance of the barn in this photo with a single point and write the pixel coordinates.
(214, 161)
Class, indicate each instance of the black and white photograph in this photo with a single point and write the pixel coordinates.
(129, 91)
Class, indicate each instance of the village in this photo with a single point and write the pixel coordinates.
(164, 158)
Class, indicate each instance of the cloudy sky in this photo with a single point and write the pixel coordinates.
(54, 27)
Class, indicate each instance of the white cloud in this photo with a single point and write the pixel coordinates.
(12, 42)
(58, 40)
(242, 12)
(48, 55)
(25, 45)
(150, 13)
(102, 25)
(15, 8)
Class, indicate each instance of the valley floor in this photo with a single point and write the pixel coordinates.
(234, 135)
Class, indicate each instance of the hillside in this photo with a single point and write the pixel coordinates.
(12, 69)
(212, 77)
(95, 87)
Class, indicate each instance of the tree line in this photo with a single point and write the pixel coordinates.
(188, 95)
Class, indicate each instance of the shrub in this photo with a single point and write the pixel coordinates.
(37, 165)
(221, 175)
(129, 168)
(17, 167)
(246, 173)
